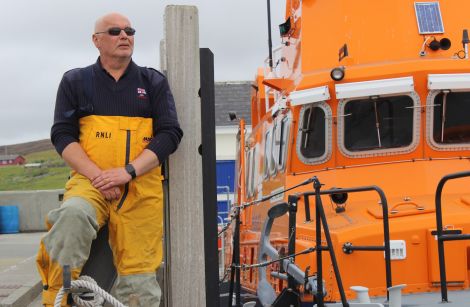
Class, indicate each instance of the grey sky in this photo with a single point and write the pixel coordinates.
(43, 39)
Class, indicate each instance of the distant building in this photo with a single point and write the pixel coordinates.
(12, 160)
(32, 165)
(229, 97)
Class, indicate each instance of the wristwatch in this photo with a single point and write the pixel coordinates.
(130, 170)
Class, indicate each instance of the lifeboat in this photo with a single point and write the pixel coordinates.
(355, 177)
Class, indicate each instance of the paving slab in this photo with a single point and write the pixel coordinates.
(20, 283)
(36, 302)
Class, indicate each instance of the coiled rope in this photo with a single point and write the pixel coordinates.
(100, 296)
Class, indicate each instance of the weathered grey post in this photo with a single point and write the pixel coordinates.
(163, 273)
(186, 241)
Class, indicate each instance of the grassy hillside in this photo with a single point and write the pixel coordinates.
(52, 174)
(26, 148)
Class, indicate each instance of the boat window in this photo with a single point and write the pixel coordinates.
(312, 140)
(274, 151)
(267, 152)
(378, 123)
(283, 140)
(451, 120)
(247, 172)
(253, 172)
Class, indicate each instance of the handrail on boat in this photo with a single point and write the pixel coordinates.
(320, 217)
(221, 221)
(235, 266)
(443, 235)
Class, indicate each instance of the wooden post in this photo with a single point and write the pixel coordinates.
(163, 274)
(186, 243)
(209, 177)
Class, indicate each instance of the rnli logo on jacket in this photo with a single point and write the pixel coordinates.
(103, 135)
(141, 93)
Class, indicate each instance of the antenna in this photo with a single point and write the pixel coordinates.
(270, 42)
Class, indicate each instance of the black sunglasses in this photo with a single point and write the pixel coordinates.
(115, 31)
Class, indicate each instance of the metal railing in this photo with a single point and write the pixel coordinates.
(321, 221)
(220, 219)
(321, 224)
(444, 235)
(221, 223)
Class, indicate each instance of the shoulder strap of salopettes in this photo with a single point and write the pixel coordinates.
(87, 75)
(87, 79)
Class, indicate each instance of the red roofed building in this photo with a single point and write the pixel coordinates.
(11, 160)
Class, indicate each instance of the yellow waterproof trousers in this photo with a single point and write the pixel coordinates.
(135, 220)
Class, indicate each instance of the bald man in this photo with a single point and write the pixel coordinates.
(114, 123)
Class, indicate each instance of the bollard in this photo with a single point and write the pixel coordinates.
(362, 294)
(395, 295)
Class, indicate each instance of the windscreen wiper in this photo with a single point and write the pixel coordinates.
(443, 121)
(377, 123)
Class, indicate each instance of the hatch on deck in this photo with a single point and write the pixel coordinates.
(405, 208)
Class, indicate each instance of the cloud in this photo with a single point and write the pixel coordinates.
(43, 39)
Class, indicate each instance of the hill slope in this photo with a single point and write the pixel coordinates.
(26, 148)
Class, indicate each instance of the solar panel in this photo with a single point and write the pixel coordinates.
(428, 15)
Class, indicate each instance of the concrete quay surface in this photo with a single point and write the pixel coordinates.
(20, 283)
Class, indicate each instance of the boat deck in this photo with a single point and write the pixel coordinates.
(459, 298)
(456, 298)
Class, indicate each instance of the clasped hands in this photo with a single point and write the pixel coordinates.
(109, 181)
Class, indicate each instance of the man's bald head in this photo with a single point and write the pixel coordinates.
(104, 22)
(112, 46)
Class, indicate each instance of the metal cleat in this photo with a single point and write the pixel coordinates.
(395, 295)
(362, 293)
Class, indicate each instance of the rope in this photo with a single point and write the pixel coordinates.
(268, 197)
(236, 208)
(225, 228)
(244, 267)
(100, 296)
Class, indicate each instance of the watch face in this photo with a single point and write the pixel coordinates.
(130, 169)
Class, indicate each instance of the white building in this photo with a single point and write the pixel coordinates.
(229, 97)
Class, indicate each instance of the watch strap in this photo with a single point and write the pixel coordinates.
(130, 170)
